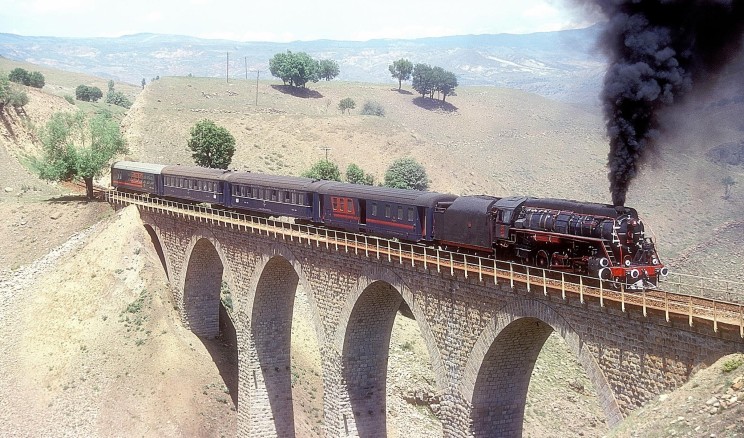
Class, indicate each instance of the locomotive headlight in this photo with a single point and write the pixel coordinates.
(634, 274)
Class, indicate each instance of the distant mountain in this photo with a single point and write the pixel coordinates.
(559, 65)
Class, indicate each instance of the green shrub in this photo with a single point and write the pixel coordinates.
(732, 364)
(69, 99)
(346, 105)
(373, 109)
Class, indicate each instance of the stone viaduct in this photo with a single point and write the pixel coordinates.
(482, 338)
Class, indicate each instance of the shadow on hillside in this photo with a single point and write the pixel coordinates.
(224, 352)
(69, 199)
(304, 93)
(401, 91)
(434, 105)
(8, 125)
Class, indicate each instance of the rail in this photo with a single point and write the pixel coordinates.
(719, 302)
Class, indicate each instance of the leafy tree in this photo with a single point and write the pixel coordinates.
(355, 175)
(427, 80)
(76, 147)
(213, 145)
(423, 79)
(297, 69)
(11, 94)
(22, 76)
(88, 94)
(36, 80)
(4, 90)
(401, 70)
(19, 76)
(445, 81)
(406, 173)
(325, 170)
(346, 105)
(143, 83)
(373, 109)
(328, 69)
(117, 98)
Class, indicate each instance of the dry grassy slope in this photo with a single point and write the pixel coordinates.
(99, 350)
(61, 83)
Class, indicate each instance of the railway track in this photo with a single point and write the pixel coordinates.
(694, 298)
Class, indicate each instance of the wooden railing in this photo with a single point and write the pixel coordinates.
(720, 302)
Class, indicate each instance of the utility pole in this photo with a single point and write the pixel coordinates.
(246, 68)
(257, 72)
(227, 68)
(326, 149)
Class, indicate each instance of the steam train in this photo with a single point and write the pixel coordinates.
(602, 241)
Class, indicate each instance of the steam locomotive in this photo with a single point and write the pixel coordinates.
(602, 241)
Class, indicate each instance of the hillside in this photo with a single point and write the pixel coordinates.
(88, 367)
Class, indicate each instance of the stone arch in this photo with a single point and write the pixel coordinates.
(266, 321)
(506, 352)
(363, 338)
(154, 233)
(201, 281)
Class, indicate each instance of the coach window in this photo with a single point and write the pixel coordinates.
(374, 210)
(334, 203)
(387, 210)
(294, 198)
(410, 214)
(400, 213)
(349, 206)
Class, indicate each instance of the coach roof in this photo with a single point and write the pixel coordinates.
(194, 172)
(385, 194)
(136, 166)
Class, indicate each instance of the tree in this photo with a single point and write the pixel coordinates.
(423, 79)
(328, 69)
(355, 175)
(143, 83)
(88, 94)
(77, 147)
(297, 69)
(36, 80)
(427, 80)
(346, 105)
(325, 170)
(406, 173)
(446, 82)
(22, 76)
(401, 70)
(19, 76)
(117, 98)
(213, 145)
(11, 94)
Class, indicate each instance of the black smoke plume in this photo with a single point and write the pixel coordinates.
(658, 51)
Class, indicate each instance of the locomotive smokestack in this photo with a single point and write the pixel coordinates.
(658, 51)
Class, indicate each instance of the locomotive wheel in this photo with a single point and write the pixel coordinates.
(542, 260)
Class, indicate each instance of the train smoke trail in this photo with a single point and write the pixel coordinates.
(658, 51)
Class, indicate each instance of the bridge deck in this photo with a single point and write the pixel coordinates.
(687, 297)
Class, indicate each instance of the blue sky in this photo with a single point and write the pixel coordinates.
(284, 21)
